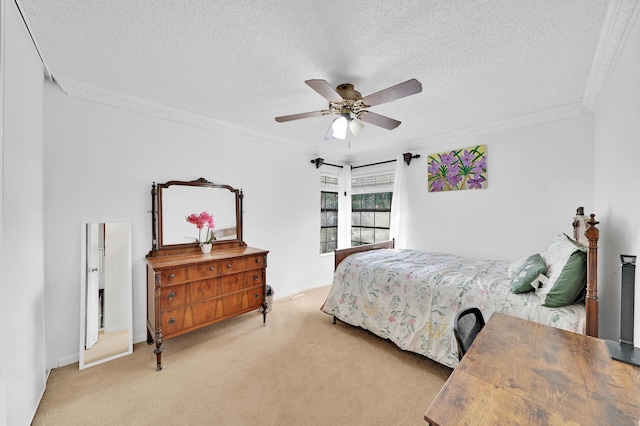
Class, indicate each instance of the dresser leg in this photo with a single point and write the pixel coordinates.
(158, 351)
(264, 313)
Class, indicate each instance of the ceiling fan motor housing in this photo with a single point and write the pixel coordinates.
(347, 91)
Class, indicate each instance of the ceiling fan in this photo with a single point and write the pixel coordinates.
(351, 107)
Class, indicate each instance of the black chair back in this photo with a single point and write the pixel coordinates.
(466, 326)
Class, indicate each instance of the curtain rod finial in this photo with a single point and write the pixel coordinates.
(408, 157)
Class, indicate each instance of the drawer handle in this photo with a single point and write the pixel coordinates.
(172, 275)
(212, 268)
(255, 277)
(172, 295)
(172, 321)
(255, 296)
(229, 265)
(258, 260)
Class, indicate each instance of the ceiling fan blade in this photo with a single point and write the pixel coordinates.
(291, 117)
(409, 87)
(325, 90)
(378, 120)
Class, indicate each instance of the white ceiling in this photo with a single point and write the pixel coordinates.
(235, 65)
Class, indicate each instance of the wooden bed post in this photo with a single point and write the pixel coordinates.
(591, 300)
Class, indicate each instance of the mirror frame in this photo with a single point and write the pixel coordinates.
(159, 248)
(83, 295)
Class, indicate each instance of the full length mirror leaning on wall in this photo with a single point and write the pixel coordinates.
(106, 291)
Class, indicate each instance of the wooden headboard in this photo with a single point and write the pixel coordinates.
(580, 225)
(583, 227)
(341, 254)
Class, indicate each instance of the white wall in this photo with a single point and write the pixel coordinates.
(617, 152)
(22, 371)
(100, 162)
(536, 180)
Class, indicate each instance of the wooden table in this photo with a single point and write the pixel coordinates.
(519, 372)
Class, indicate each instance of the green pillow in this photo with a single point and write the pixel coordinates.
(570, 283)
(528, 273)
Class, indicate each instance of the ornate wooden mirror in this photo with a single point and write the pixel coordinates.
(174, 201)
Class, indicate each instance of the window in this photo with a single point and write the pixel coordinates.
(371, 208)
(328, 221)
(370, 217)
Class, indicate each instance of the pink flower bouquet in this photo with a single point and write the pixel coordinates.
(200, 221)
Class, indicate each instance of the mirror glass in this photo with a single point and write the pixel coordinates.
(180, 201)
(176, 200)
(106, 293)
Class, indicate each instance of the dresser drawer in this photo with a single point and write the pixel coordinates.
(173, 296)
(258, 261)
(221, 286)
(175, 320)
(203, 290)
(227, 306)
(255, 277)
(231, 266)
(206, 270)
(250, 299)
(233, 283)
(173, 275)
(209, 311)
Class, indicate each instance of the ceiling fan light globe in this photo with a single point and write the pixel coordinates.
(356, 126)
(329, 134)
(339, 127)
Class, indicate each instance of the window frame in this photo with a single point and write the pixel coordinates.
(328, 232)
(368, 185)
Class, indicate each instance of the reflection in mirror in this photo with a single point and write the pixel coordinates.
(178, 202)
(106, 292)
(173, 201)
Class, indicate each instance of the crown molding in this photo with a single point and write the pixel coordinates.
(36, 46)
(119, 100)
(616, 27)
(528, 120)
(104, 96)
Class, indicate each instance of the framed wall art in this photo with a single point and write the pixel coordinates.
(458, 169)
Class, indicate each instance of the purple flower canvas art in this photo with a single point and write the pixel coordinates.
(464, 168)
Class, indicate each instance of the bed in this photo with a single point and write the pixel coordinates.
(411, 297)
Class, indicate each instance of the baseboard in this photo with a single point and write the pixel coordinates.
(140, 338)
(44, 388)
(67, 360)
(287, 294)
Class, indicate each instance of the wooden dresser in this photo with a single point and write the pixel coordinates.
(186, 288)
(190, 291)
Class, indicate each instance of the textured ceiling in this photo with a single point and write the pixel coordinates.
(235, 65)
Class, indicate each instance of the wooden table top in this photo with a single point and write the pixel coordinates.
(519, 372)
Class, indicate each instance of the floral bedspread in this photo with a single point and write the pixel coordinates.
(411, 297)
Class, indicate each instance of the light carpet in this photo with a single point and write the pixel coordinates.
(299, 369)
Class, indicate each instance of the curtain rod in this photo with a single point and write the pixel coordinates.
(320, 161)
(407, 159)
(373, 164)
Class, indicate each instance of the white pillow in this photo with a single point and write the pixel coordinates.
(543, 288)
